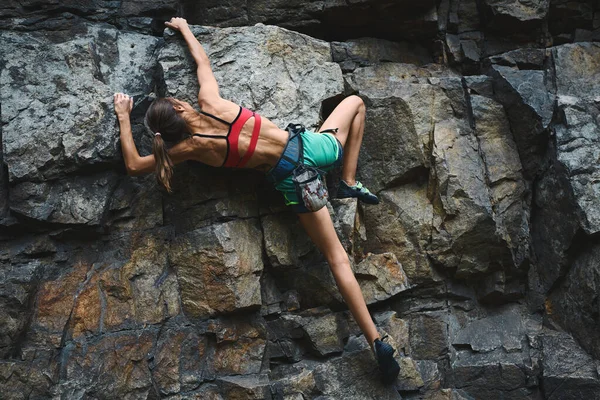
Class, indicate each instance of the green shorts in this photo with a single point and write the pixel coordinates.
(321, 150)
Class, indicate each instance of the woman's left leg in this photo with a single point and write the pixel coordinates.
(320, 228)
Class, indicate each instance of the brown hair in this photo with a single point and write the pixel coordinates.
(168, 126)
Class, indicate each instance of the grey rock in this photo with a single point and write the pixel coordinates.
(136, 204)
(125, 350)
(566, 16)
(568, 371)
(240, 346)
(35, 376)
(496, 288)
(468, 238)
(336, 19)
(428, 336)
(401, 224)
(530, 88)
(339, 378)
(204, 195)
(257, 67)
(244, 386)
(577, 137)
(271, 296)
(521, 58)
(74, 200)
(57, 115)
(397, 330)
(380, 277)
(464, 16)
(529, 105)
(311, 285)
(428, 104)
(478, 345)
(516, 12)
(410, 376)
(231, 253)
(325, 332)
(391, 146)
(368, 51)
(575, 302)
(346, 222)
(503, 174)
(16, 290)
(286, 242)
(504, 330)
(552, 232)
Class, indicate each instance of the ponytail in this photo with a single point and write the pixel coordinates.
(163, 163)
(161, 117)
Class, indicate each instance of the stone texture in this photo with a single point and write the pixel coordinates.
(79, 200)
(16, 293)
(391, 144)
(240, 347)
(273, 80)
(575, 302)
(569, 373)
(428, 336)
(339, 378)
(401, 224)
(530, 106)
(368, 51)
(578, 135)
(507, 334)
(66, 101)
(504, 175)
(468, 240)
(380, 277)
(111, 289)
(326, 332)
(123, 352)
(330, 19)
(285, 240)
(516, 12)
(230, 254)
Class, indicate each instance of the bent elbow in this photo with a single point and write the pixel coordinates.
(132, 170)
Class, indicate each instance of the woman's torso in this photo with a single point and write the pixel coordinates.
(214, 150)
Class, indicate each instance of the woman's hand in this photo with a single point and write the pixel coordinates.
(177, 23)
(123, 104)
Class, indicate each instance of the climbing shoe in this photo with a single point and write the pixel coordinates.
(358, 191)
(384, 354)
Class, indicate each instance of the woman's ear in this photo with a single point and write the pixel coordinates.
(178, 107)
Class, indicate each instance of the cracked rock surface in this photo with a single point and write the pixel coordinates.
(480, 264)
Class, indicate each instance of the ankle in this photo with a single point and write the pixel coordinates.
(372, 343)
(349, 182)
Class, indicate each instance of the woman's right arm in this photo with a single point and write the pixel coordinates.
(134, 163)
(209, 88)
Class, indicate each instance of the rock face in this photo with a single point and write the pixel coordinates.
(480, 264)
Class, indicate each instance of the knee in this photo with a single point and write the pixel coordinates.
(358, 102)
(338, 262)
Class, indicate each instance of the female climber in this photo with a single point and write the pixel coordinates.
(223, 135)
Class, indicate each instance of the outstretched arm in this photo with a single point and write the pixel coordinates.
(209, 89)
(136, 164)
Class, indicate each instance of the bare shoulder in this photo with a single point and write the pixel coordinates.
(183, 150)
(220, 107)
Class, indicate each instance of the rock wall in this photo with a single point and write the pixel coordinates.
(481, 263)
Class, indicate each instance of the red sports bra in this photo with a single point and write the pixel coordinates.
(232, 158)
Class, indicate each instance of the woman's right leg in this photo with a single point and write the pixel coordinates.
(320, 228)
